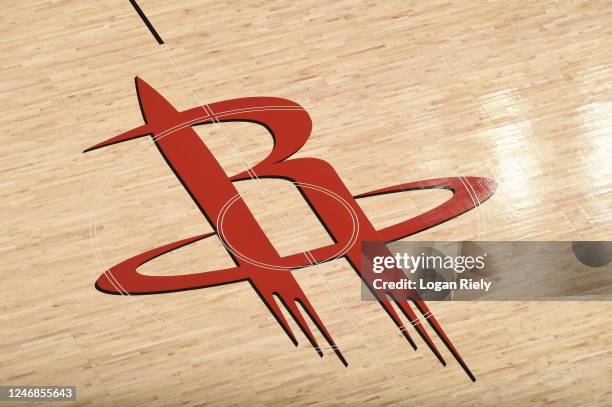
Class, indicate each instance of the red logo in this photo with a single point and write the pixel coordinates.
(256, 260)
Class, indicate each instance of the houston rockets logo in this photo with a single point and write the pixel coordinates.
(256, 260)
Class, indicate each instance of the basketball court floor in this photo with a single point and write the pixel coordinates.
(518, 93)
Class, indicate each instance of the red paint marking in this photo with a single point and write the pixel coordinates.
(211, 188)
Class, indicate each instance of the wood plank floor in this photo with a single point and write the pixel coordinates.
(398, 91)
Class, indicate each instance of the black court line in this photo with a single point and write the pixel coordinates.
(145, 20)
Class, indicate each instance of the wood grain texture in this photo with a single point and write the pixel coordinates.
(398, 91)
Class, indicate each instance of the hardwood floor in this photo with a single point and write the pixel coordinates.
(398, 91)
